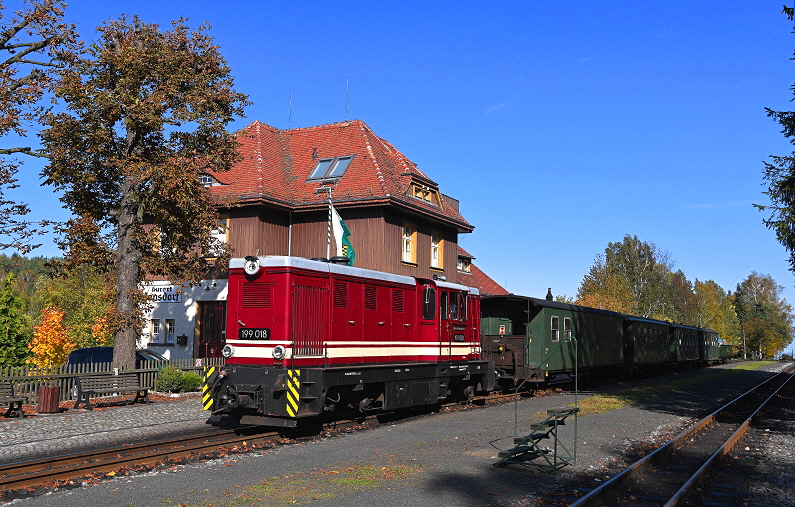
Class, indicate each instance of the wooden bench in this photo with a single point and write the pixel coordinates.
(14, 402)
(98, 384)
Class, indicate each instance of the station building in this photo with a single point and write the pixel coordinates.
(278, 204)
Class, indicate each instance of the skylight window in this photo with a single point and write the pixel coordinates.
(330, 168)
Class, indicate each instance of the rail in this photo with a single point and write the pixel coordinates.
(694, 449)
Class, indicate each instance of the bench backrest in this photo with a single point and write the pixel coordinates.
(6, 389)
(121, 381)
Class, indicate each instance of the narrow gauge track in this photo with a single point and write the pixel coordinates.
(27, 474)
(667, 475)
(53, 470)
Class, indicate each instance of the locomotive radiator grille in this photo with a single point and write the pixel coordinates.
(293, 385)
(207, 387)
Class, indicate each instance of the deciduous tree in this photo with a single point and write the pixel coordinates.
(605, 289)
(645, 269)
(766, 319)
(51, 343)
(147, 115)
(34, 42)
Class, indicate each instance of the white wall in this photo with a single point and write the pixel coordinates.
(181, 306)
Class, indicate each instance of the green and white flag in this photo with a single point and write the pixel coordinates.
(341, 234)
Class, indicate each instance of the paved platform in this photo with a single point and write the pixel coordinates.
(42, 435)
(442, 460)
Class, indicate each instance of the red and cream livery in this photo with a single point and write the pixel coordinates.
(306, 337)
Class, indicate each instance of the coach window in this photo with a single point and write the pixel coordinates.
(443, 305)
(618, 332)
(555, 328)
(428, 303)
(566, 327)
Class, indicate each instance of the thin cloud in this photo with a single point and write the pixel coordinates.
(499, 107)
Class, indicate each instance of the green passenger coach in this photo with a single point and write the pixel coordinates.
(529, 338)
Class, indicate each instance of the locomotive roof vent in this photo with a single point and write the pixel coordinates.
(549, 294)
(339, 259)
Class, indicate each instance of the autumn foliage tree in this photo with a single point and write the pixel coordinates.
(147, 111)
(51, 343)
(603, 288)
(34, 43)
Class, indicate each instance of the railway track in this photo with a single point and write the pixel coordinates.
(666, 476)
(54, 471)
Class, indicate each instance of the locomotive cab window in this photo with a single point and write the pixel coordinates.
(555, 328)
(428, 303)
(454, 305)
(443, 305)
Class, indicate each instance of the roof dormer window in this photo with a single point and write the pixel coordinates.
(424, 192)
(207, 180)
(330, 168)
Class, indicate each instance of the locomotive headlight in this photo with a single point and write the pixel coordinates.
(278, 352)
(228, 351)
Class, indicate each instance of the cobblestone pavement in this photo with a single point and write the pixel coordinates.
(39, 436)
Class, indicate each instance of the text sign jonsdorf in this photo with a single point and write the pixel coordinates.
(166, 294)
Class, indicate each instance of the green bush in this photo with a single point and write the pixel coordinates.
(172, 379)
(169, 379)
(190, 381)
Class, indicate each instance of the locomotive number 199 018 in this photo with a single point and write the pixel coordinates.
(262, 333)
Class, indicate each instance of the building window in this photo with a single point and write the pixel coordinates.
(555, 327)
(206, 180)
(154, 331)
(437, 250)
(424, 192)
(409, 251)
(330, 168)
(219, 236)
(170, 331)
(464, 265)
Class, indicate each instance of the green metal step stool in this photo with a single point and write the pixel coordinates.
(528, 450)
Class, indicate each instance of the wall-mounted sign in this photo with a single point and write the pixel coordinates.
(166, 294)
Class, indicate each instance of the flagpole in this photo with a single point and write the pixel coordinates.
(328, 241)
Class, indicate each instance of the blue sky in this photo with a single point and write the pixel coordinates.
(560, 126)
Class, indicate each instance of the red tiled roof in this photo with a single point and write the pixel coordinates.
(481, 281)
(276, 164)
(464, 253)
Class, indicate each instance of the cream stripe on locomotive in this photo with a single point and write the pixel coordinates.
(363, 349)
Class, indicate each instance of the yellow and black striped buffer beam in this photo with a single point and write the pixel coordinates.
(293, 385)
(210, 376)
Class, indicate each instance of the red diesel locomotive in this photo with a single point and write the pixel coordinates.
(307, 337)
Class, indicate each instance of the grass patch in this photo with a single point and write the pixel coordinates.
(752, 365)
(599, 403)
(307, 488)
